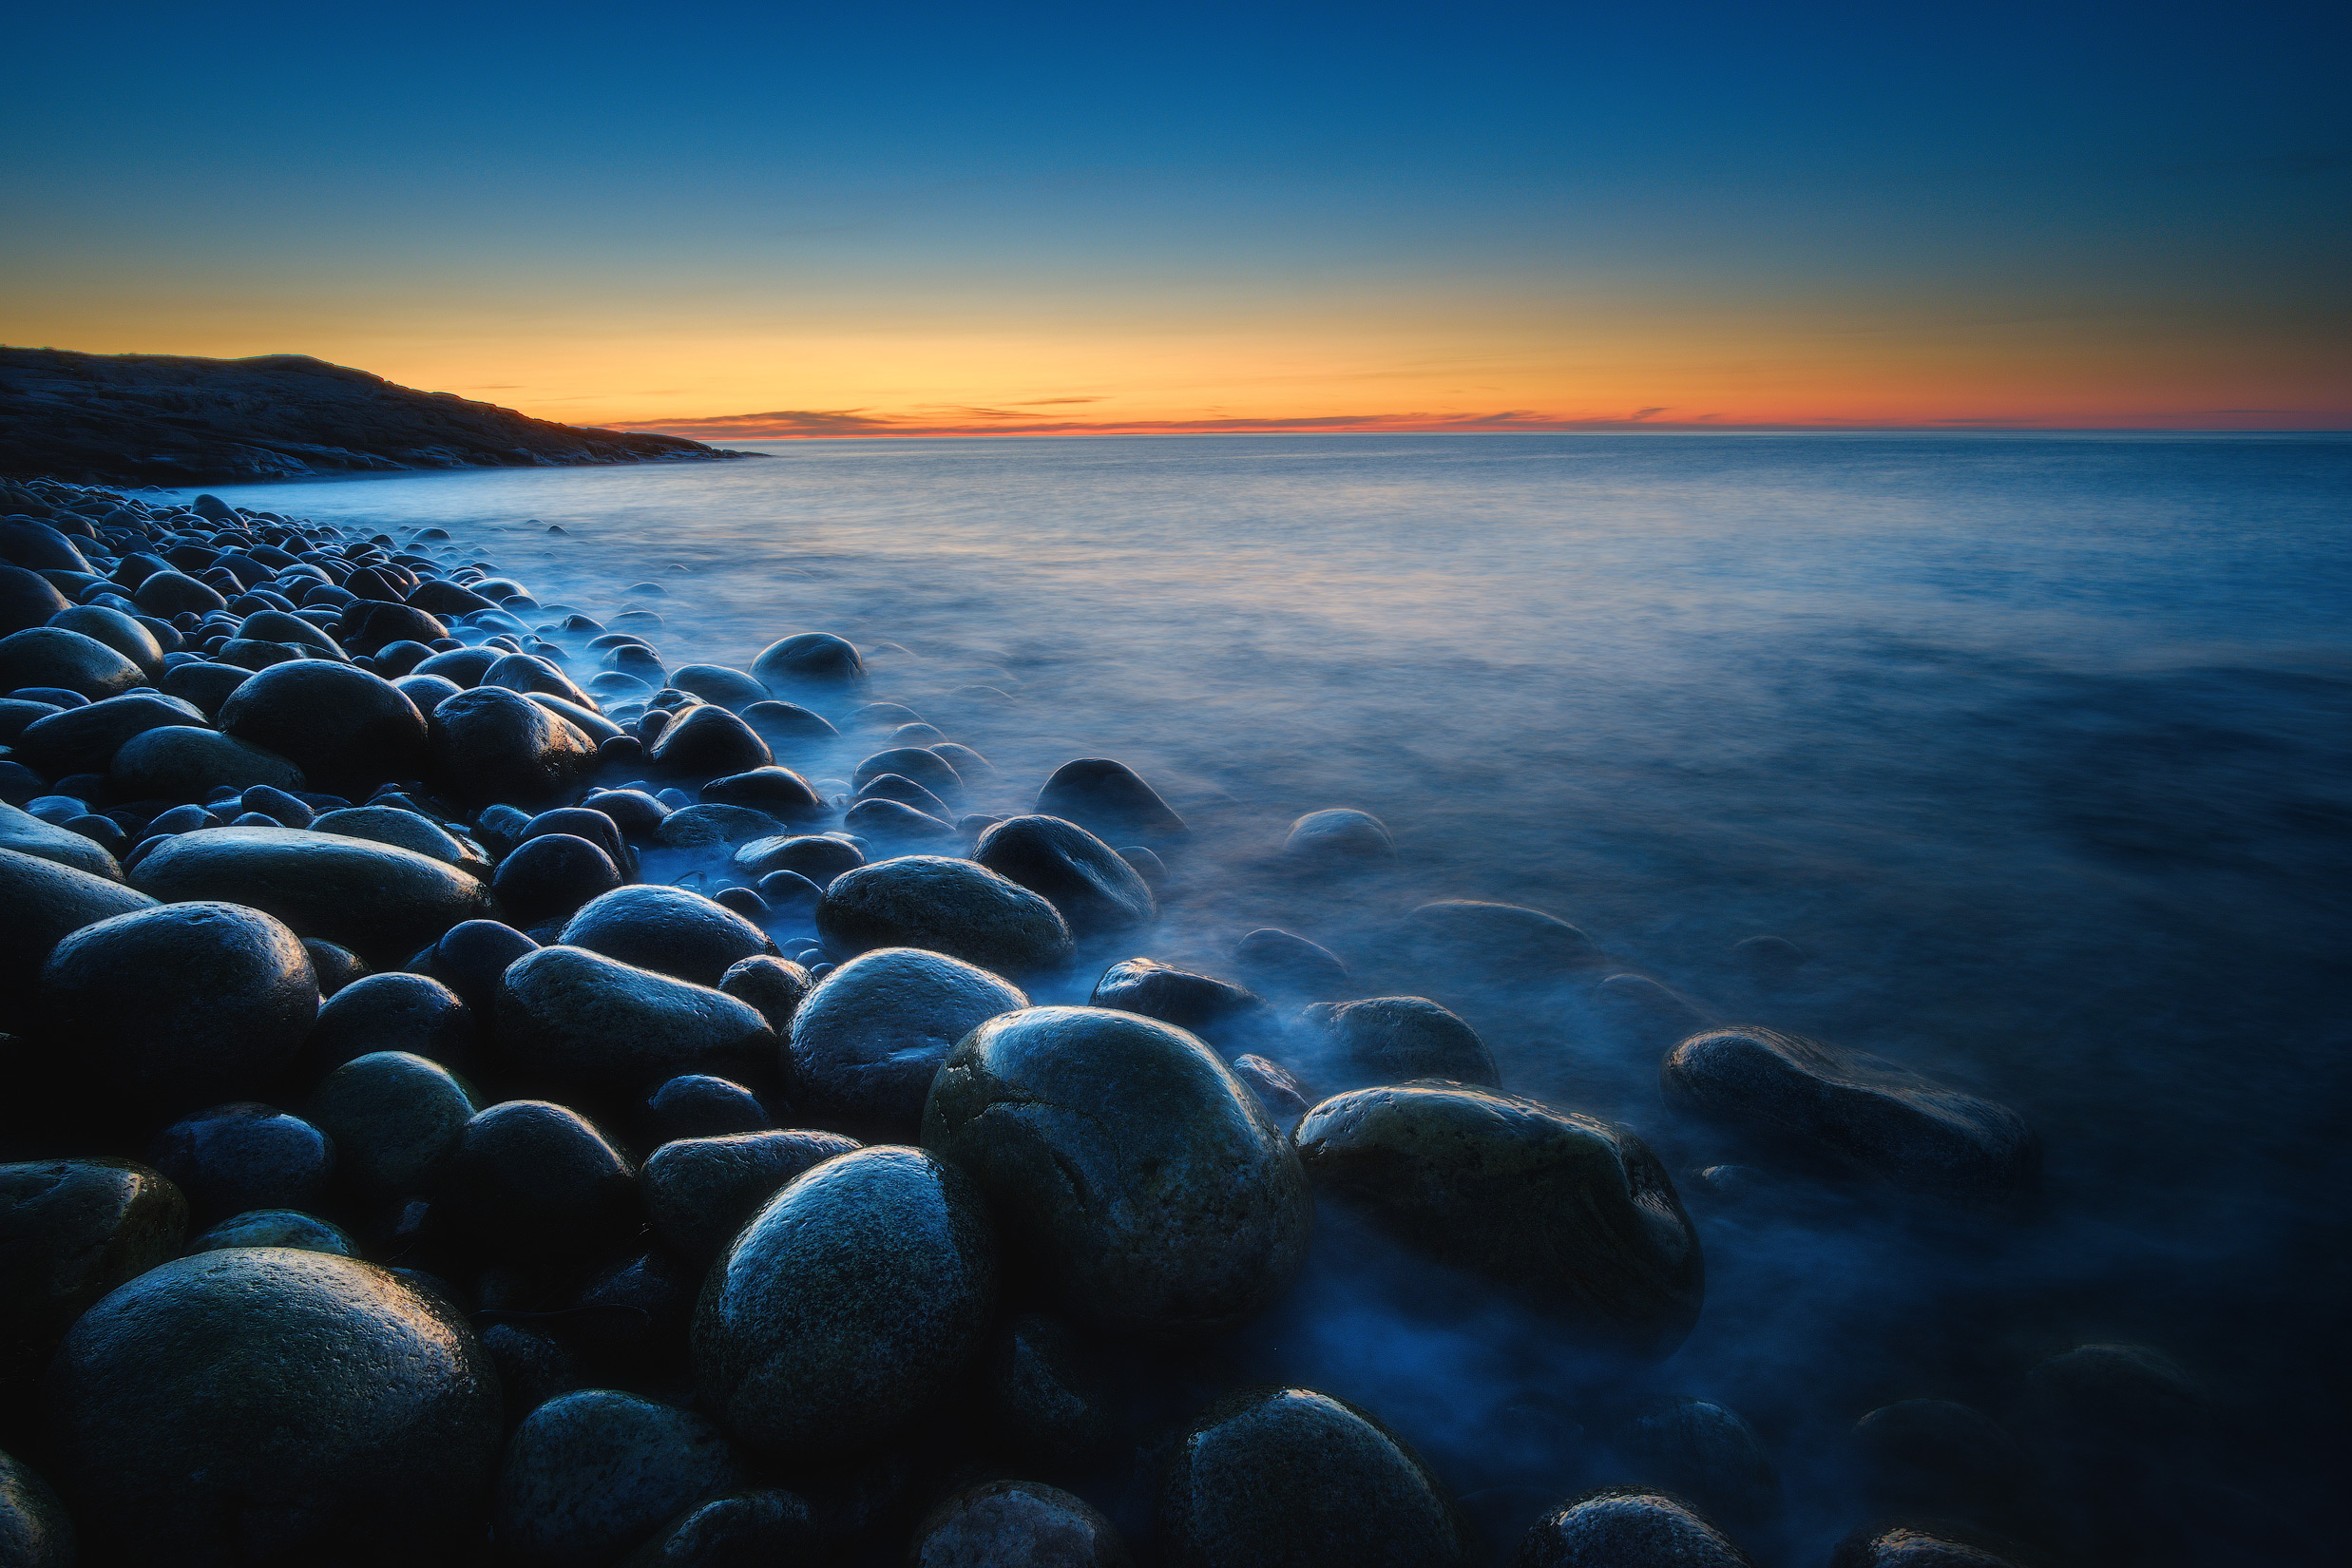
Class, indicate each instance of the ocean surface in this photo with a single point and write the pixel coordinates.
(2037, 746)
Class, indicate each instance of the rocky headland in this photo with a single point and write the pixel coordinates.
(162, 419)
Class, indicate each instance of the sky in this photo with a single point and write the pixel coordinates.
(760, 221)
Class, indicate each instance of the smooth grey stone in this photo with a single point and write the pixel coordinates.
(1575, 1215)
(809, 660)
(536, 677)
(208, 685)
(788, 722)
(707, 742)
(271, 1402)
(819, 857)
(405, 830)
(84, 739)
(121, 632)
(529, 1179)
(929, 768)
(694, 827)
(1287, 961)
(488, 743)
(771, 983)
(395, 1119)
(719, 684)
(780, 792)
(380, 901)
(1856, 1109)
(1286, 1099)
(867, 1042)
(1154, 1197)
(551, 876)
(1339, 836)
(897, 823)
(242, 1155)
(1627, 1528)
(1296, 1477)
(396, 1012)
(591, 1474)
(28, 834)
(1215, 1009)
(699, 1191)
(1393, 1040)
(1084, 879)
(946, 906)
(573, 1018)
(51, 656)
(184, 762)
(670, 930)
(849, 1306)
(224, 998)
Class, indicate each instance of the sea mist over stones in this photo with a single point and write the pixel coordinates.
(2035, 796)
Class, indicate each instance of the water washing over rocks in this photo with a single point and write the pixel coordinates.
(493, 1080)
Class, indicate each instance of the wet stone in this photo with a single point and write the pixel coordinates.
(472, 956)
(707, 742)
(812, 661)
(745, 1530)
(719, 684)
(35, 1531)
(335, 966)
(1286, 1099)
(1216, 1010)
(381, 902)
(1108, 798)
(699, 1191)
(927, 769)
(1502, 942)
(1854, 1109)
(1138, 1176)
(489, 744)
(341, 726)
(780, 792)
(394, 1117)
(774, 984)
(868, 1041)
(1291, 1475)
(573, 1018)
(693, 827)
(549, 877)
(946, 906)
(1393, 1040)
(1706, 1453)
(591, 1474)
(28, 834)
(71, 1231)
(1015, 1522)
(529, 1179)
(670, 931)
(206, 685)
(1575, 1215)
(244, 1155)
(277, 1228)
(263, 1397)
(184, 762)
(51, 656)
(404, 829)
(1339, 837)
(1627, 1528)
(1084, 879)
(1287, 961)
(787, 723)
(699, 1105)
(85, 739)
(896, 823)
(851, 1303)
(225, 998)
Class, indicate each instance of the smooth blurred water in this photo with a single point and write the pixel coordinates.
(2036, 744)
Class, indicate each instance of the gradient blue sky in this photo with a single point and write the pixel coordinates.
(943, 219)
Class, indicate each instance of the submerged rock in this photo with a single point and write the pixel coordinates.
(1857, 1109)
(1215, 1009)
(270, 1401)
(849, 1304)
(1705, 1452)
(1084, 879)
(948, 905)
(868, 1039)
(1339, 837)
(1576, 1216)
(1627, 1528)
(1502, 941)
(1141, 1180)
(1294, 1477)
(1395, 1040)
(1107, 798)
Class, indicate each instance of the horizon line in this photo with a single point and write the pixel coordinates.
(726, 429)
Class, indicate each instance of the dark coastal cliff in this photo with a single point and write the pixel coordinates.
(157, 419)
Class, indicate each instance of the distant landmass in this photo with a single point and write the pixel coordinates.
(159, 419)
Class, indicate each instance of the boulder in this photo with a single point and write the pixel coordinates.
(398, 1011)
(244, 1155)
(1912, 1546)
(207, 685)
(272, 1402)
(41, 902)
(1856, 1110)
(122, 633)
(1084, 879)
(71, 1231)
(168, 594)
(1142, 1181)
(899, 825)
(1393, 1040)
(1576, 1217)
(35, 1531)
(775, 985)
(1107, 798)
(695, 827)
(1501, 941)
(531, 1180)
(707, 742)
(946, 906)
(780, 792)
(278, 1228)
(589, 1475)
(405, 830)
(224, 998)
(925, 768)
(848, 1307)
(488, 743)
(1216, 1010)
(1294, 1477)
(1015, 1522)
(789, 724)
(550, 877)
(816, 660)
(51, 656)
(26, 600)
(346, 729)
(1339, 837)
(699, 1191)
(716, 683)
(744, 1530)
(1283, 960)
(185, 762)
(84, 739)
(867, 1042)
(381, 902)
(570, 1016)
(395, 1119)
(28, 834)
(1624, 1527)
(670, 930)
(699, 1106)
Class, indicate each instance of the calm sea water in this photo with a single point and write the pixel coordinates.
(2036, 744)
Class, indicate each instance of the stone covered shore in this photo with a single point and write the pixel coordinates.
(473, 1095)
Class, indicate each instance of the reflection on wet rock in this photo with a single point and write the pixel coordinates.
(1393, 1040)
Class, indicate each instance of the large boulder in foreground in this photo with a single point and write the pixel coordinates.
(381, 902)
(1575, 1215)
(1298, 1477)
(71, 1231)
(40, 903)
(51, 656)
(946, 906)
(867, 1043)
(488, 743)
(346, 728)
(1854, 1109)
(1138, 1176)
(849, 1306)
(268, 1404)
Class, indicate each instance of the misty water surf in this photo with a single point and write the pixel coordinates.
(2035, 746)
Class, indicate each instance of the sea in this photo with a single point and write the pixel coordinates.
(2036, 747)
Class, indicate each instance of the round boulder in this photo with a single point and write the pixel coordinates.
(235, 1157)
(1015, 1522)
(1627, 1528)
(51, 656)
(1497, 940)
(222, 998)
(670, 930)
(1107, 798)
(819, 857)
(185, 762)
(396, 1011)
(1339, 837)
(530, 1179)
(1097, 891)
(855, 1299)
(549, 877)
(573, 1018)
(699, 1191)
(1143, 1179)
(707, 742)
(1576, 1216)
(1294, 1477)
(810, 659)
(488, 743)
(381, 902)
(74, 1230)
(946, 906)
(394, 1117)
(1394, 1040)
(273, 1403)
(1855, 1109)
(346, 729)
(589, 1475)
(868, 1041)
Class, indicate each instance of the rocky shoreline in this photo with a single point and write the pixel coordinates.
(483, 1088)
(161, 419)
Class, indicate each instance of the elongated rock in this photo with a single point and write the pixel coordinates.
(381, 902)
